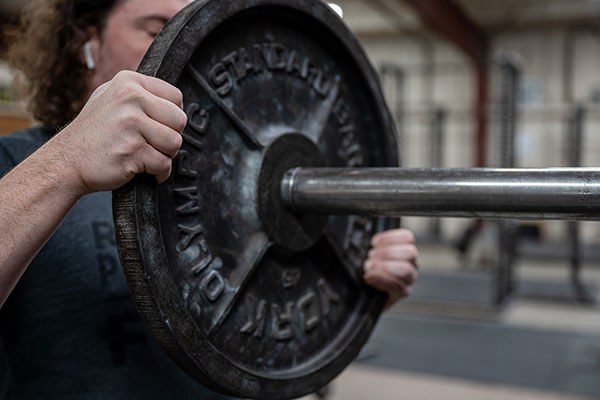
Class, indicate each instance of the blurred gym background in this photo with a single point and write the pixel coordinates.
(502, 310)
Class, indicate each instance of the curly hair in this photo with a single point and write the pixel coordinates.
(46, 51)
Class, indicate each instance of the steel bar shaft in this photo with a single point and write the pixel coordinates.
(554, 193)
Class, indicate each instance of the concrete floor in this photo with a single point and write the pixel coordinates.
(531, 349)
(362, 383)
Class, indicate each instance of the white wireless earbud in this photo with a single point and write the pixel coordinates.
(89, 57)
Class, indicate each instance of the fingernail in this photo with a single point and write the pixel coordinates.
(368, 265)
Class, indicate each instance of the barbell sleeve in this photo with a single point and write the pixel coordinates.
(551, 193)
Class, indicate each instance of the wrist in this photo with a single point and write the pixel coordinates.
(61, 169)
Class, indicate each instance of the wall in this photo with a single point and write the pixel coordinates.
(543, 107)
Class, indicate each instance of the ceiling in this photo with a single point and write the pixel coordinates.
(394, 16)
(379, 16)
(368, 17)
(506, 14)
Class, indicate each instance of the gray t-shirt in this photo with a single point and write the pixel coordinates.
(70, 329)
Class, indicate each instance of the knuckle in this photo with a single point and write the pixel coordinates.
(171, 143)
(132, 169)
(120, 79)
(133, 119)
(412, 251)
(414, 275)
(125, 75)
(410, 236)
(178, 95)
(165, 164)
(123, 123)
(177, 142)
(382, 252)
(378, 240)
(182, 121)
(375, 265)
(132, 146)
(129, 120)
(134, 94)
(130, 91)
(375, 239)
(408, 275)
(168, 173)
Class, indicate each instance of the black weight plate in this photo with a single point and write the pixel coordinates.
(246, 297)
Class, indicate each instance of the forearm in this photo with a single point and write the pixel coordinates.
(34, 198)
(131, 124)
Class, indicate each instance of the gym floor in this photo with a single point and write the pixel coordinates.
(536, 347)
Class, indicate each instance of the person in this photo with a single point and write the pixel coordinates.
(68, 324)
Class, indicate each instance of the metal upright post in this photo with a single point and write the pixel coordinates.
(575, 125)
(504, 279)
(392, 77)
(437, 123)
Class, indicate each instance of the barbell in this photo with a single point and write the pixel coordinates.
(247, 263)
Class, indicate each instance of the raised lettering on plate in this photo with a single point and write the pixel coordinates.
(193, 233)
(184, 165)
(256, 318)
(281, 322)
(309, 311)
(198, 118)
(192, 206)
(212, 285)
(328, 296)
(221, 79)
(189, 233)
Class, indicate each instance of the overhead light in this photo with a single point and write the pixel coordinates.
(337, 9)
